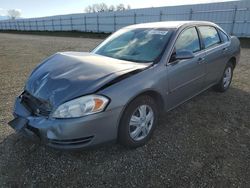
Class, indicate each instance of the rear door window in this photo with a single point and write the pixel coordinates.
(209, 35)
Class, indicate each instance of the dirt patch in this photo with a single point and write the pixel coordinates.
(203, 143)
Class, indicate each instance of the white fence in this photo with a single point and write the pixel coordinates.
(233, 16)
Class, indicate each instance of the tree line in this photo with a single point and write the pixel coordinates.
(102, 7)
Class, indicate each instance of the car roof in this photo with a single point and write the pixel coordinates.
(168, 24)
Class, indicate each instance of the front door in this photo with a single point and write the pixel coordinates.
(186, 77)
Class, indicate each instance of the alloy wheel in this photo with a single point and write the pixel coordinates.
(227, 77)
(141, 122)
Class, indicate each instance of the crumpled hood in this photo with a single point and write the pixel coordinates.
(68, 75)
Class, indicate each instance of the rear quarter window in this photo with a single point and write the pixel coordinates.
(223, 36)
(209, 35)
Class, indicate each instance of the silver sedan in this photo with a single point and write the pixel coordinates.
(116, 92)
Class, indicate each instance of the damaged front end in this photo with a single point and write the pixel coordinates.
(27, 105)
(32, 119)
(60, 80)
(20, 121)
(37, 107)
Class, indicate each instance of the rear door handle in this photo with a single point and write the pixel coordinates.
(200, 60)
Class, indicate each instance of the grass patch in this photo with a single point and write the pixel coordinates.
(245, 42)
(77, 34)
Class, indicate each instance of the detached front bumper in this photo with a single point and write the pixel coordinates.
(67, 133)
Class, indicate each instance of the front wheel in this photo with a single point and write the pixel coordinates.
(226, 79)
(138, 122)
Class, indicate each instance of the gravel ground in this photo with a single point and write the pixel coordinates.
(203, 143)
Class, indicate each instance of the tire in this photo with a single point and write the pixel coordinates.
(133, 121)
(223, 86)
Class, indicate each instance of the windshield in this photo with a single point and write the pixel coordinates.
(138, 45)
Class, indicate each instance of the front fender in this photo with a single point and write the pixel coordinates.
(123, 92)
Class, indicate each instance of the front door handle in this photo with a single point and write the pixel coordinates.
(200, 60)
(224, 49)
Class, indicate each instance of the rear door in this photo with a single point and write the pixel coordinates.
(216, 51)
(186, 77)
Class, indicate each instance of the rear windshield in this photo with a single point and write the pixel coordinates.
(138, 45)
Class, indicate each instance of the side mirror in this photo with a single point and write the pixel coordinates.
(184, 54)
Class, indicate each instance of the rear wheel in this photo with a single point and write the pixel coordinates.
(226, 79)
(138, 122)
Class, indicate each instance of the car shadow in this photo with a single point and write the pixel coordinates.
(193, 138)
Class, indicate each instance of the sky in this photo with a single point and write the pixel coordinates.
(40, 8)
